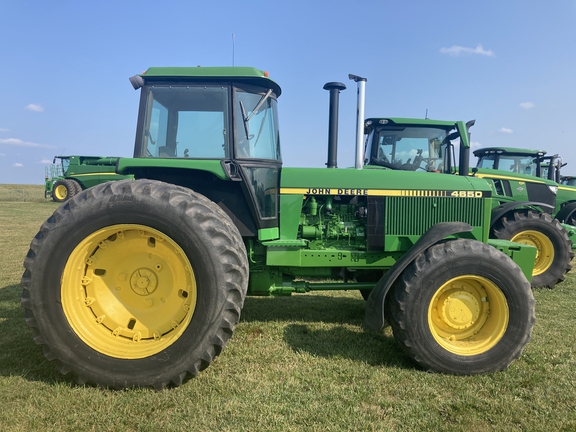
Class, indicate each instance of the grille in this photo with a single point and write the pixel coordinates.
(414, 216)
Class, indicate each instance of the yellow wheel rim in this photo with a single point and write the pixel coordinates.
(61, 192)
(468, 315)
(545, 249)
(128, 291)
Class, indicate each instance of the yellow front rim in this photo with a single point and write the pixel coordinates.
(128, 291)
(468, 315)
(545, 249)
(61, 192)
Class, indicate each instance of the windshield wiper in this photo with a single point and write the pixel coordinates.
(254, 111)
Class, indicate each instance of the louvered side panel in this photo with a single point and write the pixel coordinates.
(415, 215)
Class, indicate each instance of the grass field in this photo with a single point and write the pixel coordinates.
(303, 363)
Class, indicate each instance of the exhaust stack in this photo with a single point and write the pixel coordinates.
(334, 88)
(359, 119)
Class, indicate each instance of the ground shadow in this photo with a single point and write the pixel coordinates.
(352, 340)
(307, 308)
(369, 347)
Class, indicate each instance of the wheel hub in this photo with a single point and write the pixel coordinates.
(468, 315)
(459, 309)
(143, 281)
(545, 249)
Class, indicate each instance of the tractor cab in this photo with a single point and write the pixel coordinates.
(515, 160)
(414, 144)
(218, 120)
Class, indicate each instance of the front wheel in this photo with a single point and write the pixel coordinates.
(65, 189)
(135, 284)
(547, 235)
(462, 307)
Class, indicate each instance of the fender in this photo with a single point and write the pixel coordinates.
(374, 315)
(566, 211)
(501, 210)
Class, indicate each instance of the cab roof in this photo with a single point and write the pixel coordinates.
(512, 151)
(376, 121)
(249, 75)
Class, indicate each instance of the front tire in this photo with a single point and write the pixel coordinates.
(462, 307)
(135, 284)
(63, 190)
(547, 235)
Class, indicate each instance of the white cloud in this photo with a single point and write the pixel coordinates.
(18, 165)
(4, 130)
(2, 154)
(505, 130)
(45, 161)
(456, 50)
(19, 143)
(527, 105)
(34, 107)
(475, 145)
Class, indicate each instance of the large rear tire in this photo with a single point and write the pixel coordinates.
(547, 235)
(462, 307)
(135, 284)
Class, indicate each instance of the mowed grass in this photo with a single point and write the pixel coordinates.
(301, 363)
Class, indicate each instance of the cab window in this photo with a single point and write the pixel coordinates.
(186, 121)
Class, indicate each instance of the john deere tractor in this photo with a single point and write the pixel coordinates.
(72, 174)
(535, 163)
(523, 205)
(141, 283)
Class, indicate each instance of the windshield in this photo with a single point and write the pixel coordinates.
(410, 148)
(569, 181)
(186, 121)
(517, 164)
(257, 134)
(65, 165)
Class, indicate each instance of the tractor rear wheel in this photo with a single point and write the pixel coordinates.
(63, 190)
(135, 284)
(547, 235)
(462, 307)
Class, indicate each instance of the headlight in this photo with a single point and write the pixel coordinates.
(553, 189)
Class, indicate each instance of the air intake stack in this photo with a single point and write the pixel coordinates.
(334, 88)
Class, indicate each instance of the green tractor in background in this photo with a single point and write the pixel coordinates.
(523, 206)
(72, 174)
(534, 163)
(141, 283)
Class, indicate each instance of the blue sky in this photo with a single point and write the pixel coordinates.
(511, 65)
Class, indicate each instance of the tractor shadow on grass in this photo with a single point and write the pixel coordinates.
(328, 327)
(19, 355)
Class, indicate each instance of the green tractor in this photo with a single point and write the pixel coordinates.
(534, 163)
(523, 205)
(72, 174)
(141, 282)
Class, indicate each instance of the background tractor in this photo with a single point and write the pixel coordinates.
(535, 163)
(141, 283)
(523, 205)
(73, 174)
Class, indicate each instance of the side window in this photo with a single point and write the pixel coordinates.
(486, 162)
(205, 127)
(185, 121)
